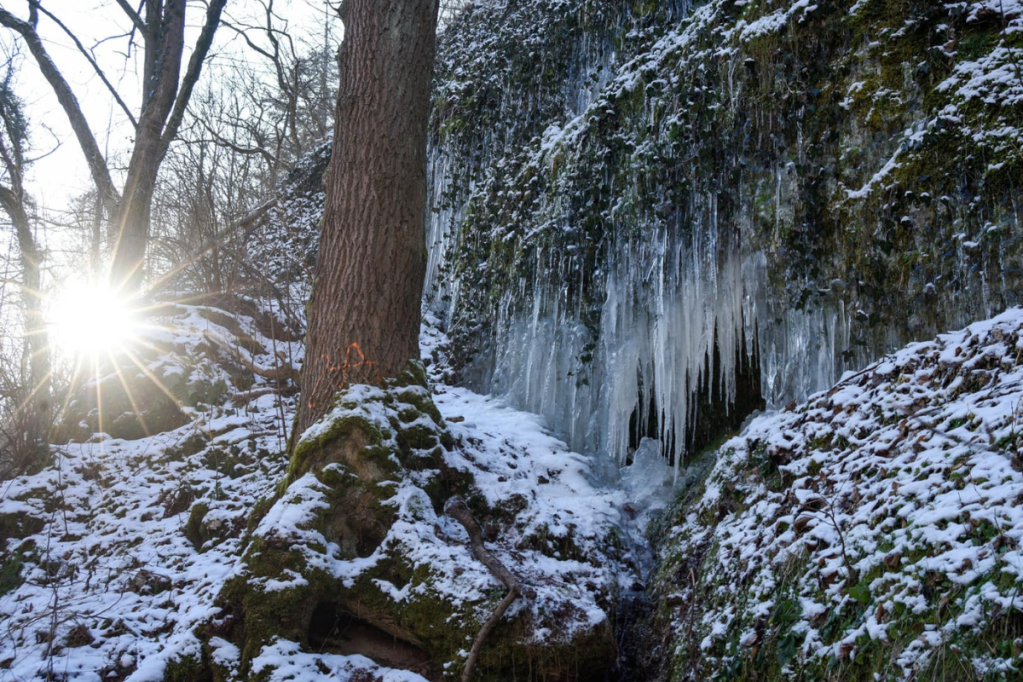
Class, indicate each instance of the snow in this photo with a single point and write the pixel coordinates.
(899, 471)
(284, 661)
(112, 555)
(112, 559)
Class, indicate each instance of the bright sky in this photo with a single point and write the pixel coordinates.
(102, 26)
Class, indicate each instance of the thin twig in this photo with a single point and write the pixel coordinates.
(457, 509)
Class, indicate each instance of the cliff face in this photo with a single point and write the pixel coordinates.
(646, 213)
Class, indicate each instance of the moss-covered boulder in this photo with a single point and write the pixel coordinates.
(356, 534)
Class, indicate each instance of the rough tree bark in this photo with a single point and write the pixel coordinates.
(364, 314)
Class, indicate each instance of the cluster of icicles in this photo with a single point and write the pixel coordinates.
(668, 296)
(667, 299)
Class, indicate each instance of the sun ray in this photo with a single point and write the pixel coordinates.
(35, 390)
(153, 378)
(127, 391)
(75, 373)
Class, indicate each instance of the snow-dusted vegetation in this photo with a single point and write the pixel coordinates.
(874, 530)
(686, 404)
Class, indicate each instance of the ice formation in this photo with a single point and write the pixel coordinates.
(668, 291)
(647, 482)
(668, 296)
(602, 268)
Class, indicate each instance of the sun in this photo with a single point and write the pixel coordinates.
(91, 319)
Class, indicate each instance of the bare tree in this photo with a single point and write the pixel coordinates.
(282, 116)
(165, 95)
(450, 9)
(266, 109)
(30, 392)
(364, 314)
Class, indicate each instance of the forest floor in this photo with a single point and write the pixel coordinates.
(877, 524)
(116, 553)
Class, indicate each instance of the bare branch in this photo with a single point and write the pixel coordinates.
(195, 63)
(95, 66)
(457, 509)
(135, 18)
(218, 139)
(56, 145)
(93, 156)
(109, 38)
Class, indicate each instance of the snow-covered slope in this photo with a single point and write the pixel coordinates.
(113, 558)
(872, 532)
(114, 553)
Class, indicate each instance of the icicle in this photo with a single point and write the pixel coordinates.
(670, 292)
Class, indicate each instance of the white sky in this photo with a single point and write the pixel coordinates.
(62, 175)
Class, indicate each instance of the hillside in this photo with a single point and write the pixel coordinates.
(121, 559)
(872, 532)
(684, 366)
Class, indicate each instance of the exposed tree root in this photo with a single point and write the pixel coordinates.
(457, 509)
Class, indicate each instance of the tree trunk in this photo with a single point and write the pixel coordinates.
(131, 231)
(166, 22)
(38, 405)
(364, 314)
(36, 409)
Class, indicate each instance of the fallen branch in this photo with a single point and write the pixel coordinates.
(251, 394)
(457, 509)
(279, 374)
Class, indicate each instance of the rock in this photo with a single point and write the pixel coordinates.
(149, 583)
(374, 446)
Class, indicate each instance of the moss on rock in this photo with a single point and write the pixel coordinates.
(346, 529)
(839, 539)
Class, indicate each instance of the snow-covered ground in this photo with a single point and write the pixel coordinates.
(885, 512)
(878, 524)
(118, 551)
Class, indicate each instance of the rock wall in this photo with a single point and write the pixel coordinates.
(637, 204)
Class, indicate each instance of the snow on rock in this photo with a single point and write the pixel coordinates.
(360, 526)
(113, 560)
(876, 527)
(285, 661)
(559, 541)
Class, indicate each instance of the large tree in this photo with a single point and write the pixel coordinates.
(364, 314)
(165, 94)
